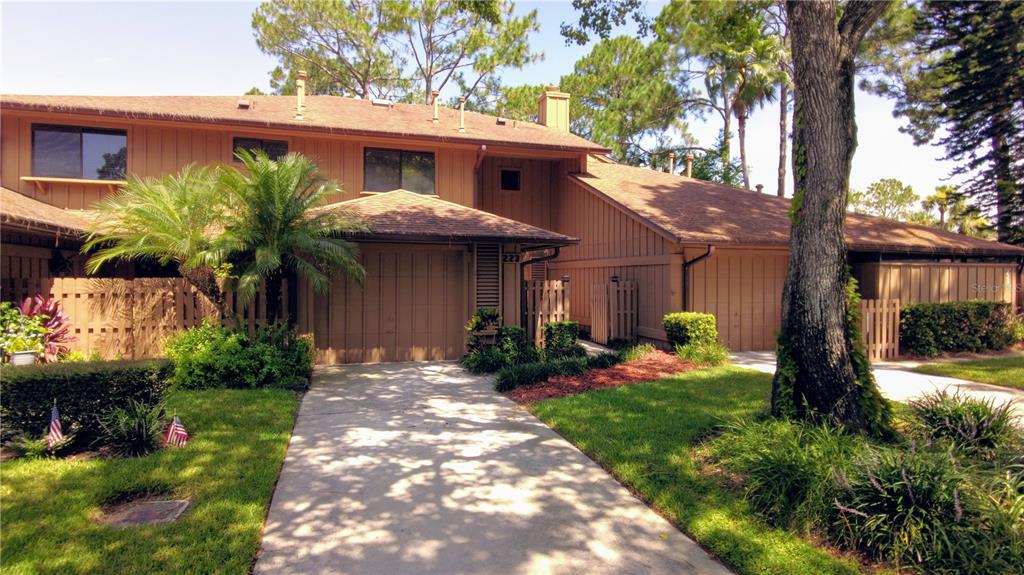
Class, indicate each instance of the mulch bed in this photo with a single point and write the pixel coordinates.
(653, 366)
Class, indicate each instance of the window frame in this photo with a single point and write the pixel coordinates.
(401, 157)
(80, 130)
(286, 141)
(501, 179)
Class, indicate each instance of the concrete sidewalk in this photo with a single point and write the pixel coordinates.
(898, 383)
(423, 468)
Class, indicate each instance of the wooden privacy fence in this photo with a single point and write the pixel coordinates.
(546, 300)
(129, 318)
(613, 312)
(880, 322)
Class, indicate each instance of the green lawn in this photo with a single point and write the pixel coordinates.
(646, 436)
(1007, 371)
(228, 470)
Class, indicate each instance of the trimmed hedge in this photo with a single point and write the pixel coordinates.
(515, 376)
(686, 327)
(561, 340)
(83, 391)
(928, 329)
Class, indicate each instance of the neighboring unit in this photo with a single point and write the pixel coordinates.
(464, 209)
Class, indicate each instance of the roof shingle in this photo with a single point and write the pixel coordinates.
(331, 114)
(23, 211)
(401, 214)
(700, 212)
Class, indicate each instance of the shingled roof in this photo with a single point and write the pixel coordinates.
(28, 214)
(407, 216)
(699, 212)
(330, 114)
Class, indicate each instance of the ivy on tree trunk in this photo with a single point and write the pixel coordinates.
(822, 374)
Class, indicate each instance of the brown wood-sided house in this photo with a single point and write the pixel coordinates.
(459, 205)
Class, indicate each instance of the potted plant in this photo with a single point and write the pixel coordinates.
(483, 326)
(22, 337)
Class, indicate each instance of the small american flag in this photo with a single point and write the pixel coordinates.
(56, 434)
(176, 434)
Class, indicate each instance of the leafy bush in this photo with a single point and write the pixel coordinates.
(1017, 331)
(19, 332)
(703, 354)
(81, 390)
(928, 329)
(976, 426)
(684, 327)
(211, 356)
(484, 360)
(54, 320)
(482, 318)
(561, 340)
(787, 467)
(35, 446)
(515, 376)
(78, 356)
(132, 430)
(901, 505)
(636, 351)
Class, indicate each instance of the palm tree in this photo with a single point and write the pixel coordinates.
(273, 228)
(758, 75)
(172, 220)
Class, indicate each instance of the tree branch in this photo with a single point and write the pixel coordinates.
(858, 17)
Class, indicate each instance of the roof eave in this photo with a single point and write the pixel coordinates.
(449, 239)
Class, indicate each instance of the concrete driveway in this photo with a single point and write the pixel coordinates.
(422, 468)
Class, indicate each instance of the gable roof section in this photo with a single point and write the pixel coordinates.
(404, 215)
(330, 114)
(700, 212)
(23, 212)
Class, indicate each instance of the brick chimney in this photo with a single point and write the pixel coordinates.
(553, 109)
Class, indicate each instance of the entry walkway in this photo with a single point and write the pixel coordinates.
(898, 383)
(423, 468)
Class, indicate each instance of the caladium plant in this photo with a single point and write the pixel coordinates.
(56, 322)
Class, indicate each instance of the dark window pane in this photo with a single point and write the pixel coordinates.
(104, 155)
(382, 170)
(418, 172)
(56, 152)
(510, 180)
(273, 148)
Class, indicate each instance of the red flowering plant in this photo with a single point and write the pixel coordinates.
(56, 322)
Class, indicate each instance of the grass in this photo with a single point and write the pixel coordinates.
(648, 436)
(228, 470)
(1005, 371)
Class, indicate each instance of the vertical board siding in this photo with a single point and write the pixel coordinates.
(159, 149)
(609, 239)
(938, 282)
(412, 306)
(532, 203)
(546, 301)
(743, 290)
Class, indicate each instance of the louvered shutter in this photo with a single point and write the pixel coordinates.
(488, 276)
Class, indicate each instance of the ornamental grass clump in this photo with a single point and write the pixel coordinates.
(976, 426)
(133, 430)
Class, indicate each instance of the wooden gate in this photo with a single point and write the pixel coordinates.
(546, 300)
(613, 312)
(880, 323)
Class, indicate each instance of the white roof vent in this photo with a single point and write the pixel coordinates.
(244, 104)
(382, 102)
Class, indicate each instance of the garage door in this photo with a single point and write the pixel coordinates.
(412, 307)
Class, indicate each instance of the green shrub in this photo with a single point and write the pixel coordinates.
(484, 360)
(132, 430)
(684, 327)
(901, 505)
(636, 351)
(703, 354)
(928, 329)
(82, 392)
(976, 426)
(35, 446)
(514, 346)
(787, 467)
(515, 376)
(1017, 331)
(210, 356)
(561, 340)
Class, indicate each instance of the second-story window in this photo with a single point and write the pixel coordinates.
(77, 152)
(386, 170)
(273, 148)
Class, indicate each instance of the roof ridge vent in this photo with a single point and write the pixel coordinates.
(383, 102)
(244, 104)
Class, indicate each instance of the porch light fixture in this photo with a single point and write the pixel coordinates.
(565, 279)
(615, 279)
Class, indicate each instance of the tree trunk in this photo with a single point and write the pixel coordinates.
(783, 136)
(816, 377)
(727, 138)
(275, 302)
(205, 281)
(1005, 185)
(741, 126)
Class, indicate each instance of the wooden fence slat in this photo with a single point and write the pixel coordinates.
(880, 324)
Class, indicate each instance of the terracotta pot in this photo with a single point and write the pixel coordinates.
(23, 358)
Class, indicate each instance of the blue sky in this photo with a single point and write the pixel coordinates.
(142, 48)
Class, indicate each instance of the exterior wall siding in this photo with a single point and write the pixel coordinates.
(613, 242)
(937, 282)
(158, 148)
(532, 203)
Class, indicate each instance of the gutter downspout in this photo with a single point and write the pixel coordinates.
(476, 174)
(522, 284)
(686, 268)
